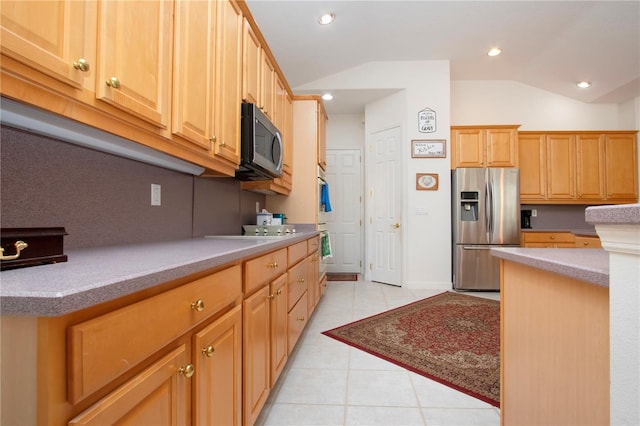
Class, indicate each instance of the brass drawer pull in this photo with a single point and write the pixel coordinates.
(187, 371)
(198, 305)
(81, 65)
(300, 318)
(301, 280)
(208, 351)
(113, 82)
(273, 265)
(19, 245)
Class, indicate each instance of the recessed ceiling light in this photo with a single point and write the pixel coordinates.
(583, 84)
(327, 18)
(494, 51)
(327, 96)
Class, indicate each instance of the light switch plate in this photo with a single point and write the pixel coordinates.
(156, 191)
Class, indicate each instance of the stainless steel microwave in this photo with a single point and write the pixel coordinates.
(260, 146)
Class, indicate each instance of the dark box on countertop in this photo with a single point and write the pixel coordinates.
(31, 246)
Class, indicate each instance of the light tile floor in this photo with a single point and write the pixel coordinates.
(327, 382)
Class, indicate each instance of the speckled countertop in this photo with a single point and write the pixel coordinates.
(590, 265)
(624, 214)
(93, 276)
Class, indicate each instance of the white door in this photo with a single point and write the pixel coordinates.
(344, 176)
(385, 192)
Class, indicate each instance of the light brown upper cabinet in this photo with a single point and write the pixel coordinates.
(194, 97)
(135, 42)
(164, 74)
(251, 63)
(268, 87)
(588, 167)
(322, 136)
(229, 80)
(621, 166)
(39, 35)
(484, 146)
(207, 81)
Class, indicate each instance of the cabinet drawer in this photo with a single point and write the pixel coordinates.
(263, 269)
(588, 242)
(548, 237)
(297, 322)
(105, 347)
(313, 244)
(297, 252)
(297, 283)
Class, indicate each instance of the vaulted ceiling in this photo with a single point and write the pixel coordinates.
(549, 45)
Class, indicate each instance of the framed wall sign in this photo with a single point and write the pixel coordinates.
(428, 148)
(426, 181)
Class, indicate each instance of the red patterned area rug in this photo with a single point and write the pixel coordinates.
(451, 338)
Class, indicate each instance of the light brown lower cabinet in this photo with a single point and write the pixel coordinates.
(558, 240)
(191, 351)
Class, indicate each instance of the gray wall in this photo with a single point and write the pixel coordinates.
(101, 199)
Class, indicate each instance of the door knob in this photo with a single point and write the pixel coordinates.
(396, 225)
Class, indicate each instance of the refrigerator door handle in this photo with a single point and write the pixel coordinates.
(476, 248)
(491, 209)
(487, 210)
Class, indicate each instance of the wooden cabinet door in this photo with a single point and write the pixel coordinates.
(268, 86)
(135, 40)
(279, 310)
(560, 166)
(252, 61)
(256, 367)
(469, 147)
(532, 159)
(313, 294)
(590, 175)
(217, 357)
(51, 37)
(287, 161)
(621, 164)
(157, 396)
(502, 148)
(322, 136)
(228, 81)
(194, 73)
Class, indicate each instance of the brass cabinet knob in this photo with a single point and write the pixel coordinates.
(198, 305)
(223, 144)
(271, 296)
(278, 293)
(187, 371)
(553, 237)
(301, 280)
(300, 318)
(81, 65)
(19, 245)
(273, 265)
(113, 82)
(213, 139)
(208, 351)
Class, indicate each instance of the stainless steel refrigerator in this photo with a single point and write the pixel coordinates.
(485, 214)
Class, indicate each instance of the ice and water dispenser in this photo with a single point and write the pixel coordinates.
(469, 206)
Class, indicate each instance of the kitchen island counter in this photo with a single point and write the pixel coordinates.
(590, 265)
(97, 275)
